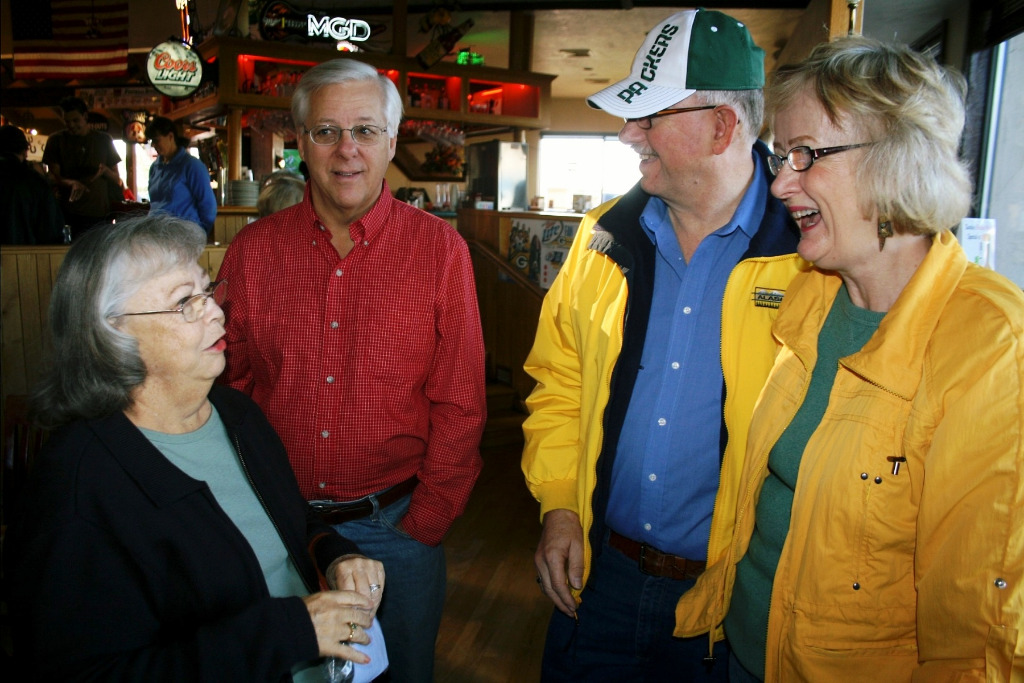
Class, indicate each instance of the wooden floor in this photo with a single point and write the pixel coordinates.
(495, 616)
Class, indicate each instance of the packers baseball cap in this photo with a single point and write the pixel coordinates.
(692, 50)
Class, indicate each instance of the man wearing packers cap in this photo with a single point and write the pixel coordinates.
(645, 379)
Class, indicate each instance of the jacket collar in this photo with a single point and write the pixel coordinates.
(616, 233)
(895, 366)
(154, 474)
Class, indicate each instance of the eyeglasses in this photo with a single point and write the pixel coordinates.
(644, 122)
(193, 307)
(330, 135)
(803, 157)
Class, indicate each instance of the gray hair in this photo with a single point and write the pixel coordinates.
(749, 104)
(343, 70)
(280, 191)
(910, 107)
(96, 366)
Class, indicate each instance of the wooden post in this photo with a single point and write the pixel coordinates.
(234, 143)
(399, 23)
(822, 21)
(520, 41)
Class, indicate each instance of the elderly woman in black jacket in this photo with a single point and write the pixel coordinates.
(164, 536)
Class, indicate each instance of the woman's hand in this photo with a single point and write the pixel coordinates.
(339, 618)
(359, 574)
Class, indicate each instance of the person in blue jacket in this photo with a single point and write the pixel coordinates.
(179, 184)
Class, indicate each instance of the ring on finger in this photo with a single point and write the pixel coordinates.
(352, 630)
(374, 587)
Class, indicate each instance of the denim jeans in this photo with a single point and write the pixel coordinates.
(410, 611)
(624, 631)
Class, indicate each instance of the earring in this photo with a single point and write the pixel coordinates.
(884, 231)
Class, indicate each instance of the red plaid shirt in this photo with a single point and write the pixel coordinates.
(370, 367)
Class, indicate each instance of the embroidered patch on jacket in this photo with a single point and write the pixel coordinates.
(764, 297)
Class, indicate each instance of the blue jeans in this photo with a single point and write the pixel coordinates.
(410, 611)
(624, 631)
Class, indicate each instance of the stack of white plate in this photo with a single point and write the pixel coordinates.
(242, 193)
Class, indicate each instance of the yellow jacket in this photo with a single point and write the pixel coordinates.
(580, 338)
(915, 576)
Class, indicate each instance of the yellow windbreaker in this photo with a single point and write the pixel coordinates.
(909, 576)
(579, 338)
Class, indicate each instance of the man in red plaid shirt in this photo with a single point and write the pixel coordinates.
(353, 322)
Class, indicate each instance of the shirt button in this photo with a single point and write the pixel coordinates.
(687, 310)
(1000, 584)
(325, 433)
(647, 527)
(652, 477)
(338, 272)
(856, 586)
(863, 475)
(662, 422)
(334, 324)
(330, 379)
(675, 366)
(314, 243)
(878, 480)
(366, 243)
(323, 484)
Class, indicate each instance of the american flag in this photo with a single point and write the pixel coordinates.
(66, 39)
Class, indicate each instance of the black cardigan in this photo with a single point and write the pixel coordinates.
(125, 568)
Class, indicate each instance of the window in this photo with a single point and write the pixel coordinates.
(1001, 176)
(595, 166)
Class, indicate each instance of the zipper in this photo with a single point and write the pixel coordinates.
(263, 503)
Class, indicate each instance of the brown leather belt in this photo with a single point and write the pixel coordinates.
(654, 562)
(339, 513)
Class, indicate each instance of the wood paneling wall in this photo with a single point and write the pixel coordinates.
(27, 275)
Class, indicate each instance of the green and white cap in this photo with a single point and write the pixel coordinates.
(693, 50)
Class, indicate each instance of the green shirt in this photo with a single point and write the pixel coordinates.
(207, 455)
(845, 332)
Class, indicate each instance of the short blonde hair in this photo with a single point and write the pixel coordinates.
(912, 108)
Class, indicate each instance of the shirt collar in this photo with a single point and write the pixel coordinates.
(747, 216)
(365, 229)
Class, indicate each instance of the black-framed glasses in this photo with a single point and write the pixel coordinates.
(365, 134)
(644, 122)
(803, 157)
(193, 307)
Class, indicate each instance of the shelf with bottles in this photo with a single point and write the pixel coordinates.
(503, 99)
(263, 74)
(423, 91)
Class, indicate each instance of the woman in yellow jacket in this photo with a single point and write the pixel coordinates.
(879, 531)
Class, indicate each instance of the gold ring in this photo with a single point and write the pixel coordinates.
(352, 631)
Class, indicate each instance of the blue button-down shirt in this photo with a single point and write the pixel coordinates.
(667, 465)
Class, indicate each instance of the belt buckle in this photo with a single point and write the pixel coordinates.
(643, 560)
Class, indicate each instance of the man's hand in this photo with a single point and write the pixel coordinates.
(77, 189)
(559, 558)
(359, 574)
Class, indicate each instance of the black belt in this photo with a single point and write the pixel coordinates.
(339, 513)
(654, 562)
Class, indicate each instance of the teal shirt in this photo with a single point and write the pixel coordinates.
(207, 455)
(845, 332)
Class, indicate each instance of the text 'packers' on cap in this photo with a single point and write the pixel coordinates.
(692, 50)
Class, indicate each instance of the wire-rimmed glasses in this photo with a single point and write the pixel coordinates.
(644, 122)
(363, 134)
(803, 157)
(193, 307)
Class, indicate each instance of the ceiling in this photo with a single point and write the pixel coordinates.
(586, 44)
